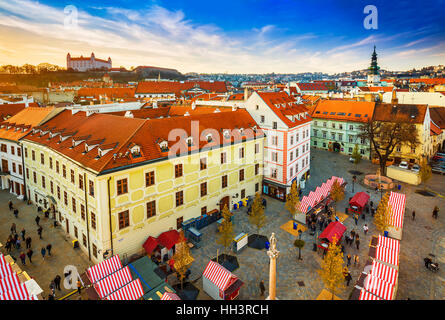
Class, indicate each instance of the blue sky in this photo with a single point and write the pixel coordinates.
(244, 36)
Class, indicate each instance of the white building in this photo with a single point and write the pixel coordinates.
(85, 64)
(429, 98)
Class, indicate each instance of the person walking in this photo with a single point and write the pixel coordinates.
(39, 231)
(79, 286)
(48, 248)
(28, 242)
(13, 229)
(355, 219)
(435, 212)
(23, 257)
(57, 280)
(414, 215)
(52, 286)
(10, 205)
(365, 228)
(348, 257)
(38, 220)
(372, 212)
(29, 254)
(348, 278)
(8, 246)
(17, 244)
(43, 252)
(16, 213)
(262, 288)
(357, 243)
(23, 234)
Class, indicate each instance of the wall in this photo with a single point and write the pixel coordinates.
(403, 175)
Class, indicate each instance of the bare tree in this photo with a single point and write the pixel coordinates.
(386, 136)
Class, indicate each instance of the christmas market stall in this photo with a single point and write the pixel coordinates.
(336, 229)
(397, 202)
(358, 202)
(219, 283)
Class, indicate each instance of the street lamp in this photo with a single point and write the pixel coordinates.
(354, 179)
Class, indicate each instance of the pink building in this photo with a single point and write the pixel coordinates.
(85, 64)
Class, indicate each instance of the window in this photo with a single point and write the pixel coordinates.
(324, 144)
(257, 187)
(291, 172)
(64, 171)
(124, 219)
(241, 153)
(241, 175)
(33, 155)
(80, 182)
(351, 139)
(351, 127)
(324, 134)
(26, 152)
(333, 135)
(274, 173)
(151, 209)
(362, 141)
(12, 150)
(82, 212)
(76, 235)
(51, 186)
(398, 149)
(340, 126)
(57, 166)
(324, 124)
(315, 132)
(262, 119)
(74, 204)
(43, 182)
(149, 178)
(42, 158)
(224, 182)
(362, 151)
(296, 167)
(58, 192)
(274, 156)
(179, 198)
(333, 125)
(257, 147)
(122, 186)
(274, 141)
(34, 177)
(304, 134)
(91, 185)
(203, 189)
(243, 193)
(93, 220)
(65, 198)
(350, 150)
(27, 173)
(257, 168)
(50, 162)
(203, 211)
(297, 152)
(13, 167)
(203, 164)
(340, 136)
(4, 148)
(94, 250)
(297, 137)
(223, 158)
(72, 176)
(275, 125)
(84, 240)
(178, 170)
(292, 140)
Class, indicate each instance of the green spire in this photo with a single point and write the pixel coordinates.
(374, 68)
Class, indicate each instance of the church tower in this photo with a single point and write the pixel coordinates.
(373, 72)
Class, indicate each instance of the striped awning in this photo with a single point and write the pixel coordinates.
(170, 296)
(384, 272)
(9, 283)
(365, 295)
(378, 287)
(320, 193)
(397, 203)
(2, 259)
(387, 255)
(218, 275)
(132, 291)
(113, 282)
(5, 270)
(14, 296)
(390, 243)
(18, 292)
(105, 268)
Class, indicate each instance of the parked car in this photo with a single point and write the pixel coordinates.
(416, 168)
(403, 165)
(351, 159)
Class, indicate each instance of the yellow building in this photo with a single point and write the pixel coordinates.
(122, 175)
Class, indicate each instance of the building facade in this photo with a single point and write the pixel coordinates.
(111, 189)
(84, 64)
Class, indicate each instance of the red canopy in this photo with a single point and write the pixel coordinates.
(150, 244)
(334, 228)
(359, 199)
(168, 238)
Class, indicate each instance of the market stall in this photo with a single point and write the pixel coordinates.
(384, 255)
(359, 293)
(358, 202)
(103, 269)
(397, 202)
(219, 283)
(336, 229)
(385, 242)
(378, 287)
(12, 289)
(113, 282)
(170, 296)
(131, 291)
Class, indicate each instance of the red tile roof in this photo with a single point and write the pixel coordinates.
(403, 112)
(9, 110)
(376, 89)
(435, 130)
(312, 86)
(432, 81)
(284, 105)
(177, 88)
(112, 93)
(437, 114)
(355, 111)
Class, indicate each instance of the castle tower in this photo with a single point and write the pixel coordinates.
(373, 72)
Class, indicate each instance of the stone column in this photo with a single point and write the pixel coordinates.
(273, 255)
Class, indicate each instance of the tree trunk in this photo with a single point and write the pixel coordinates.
(383, 168)
(299, 254)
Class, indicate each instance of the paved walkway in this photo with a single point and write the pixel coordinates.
(62, 252)
(420, 237)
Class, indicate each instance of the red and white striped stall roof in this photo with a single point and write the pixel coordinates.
(2, 259)
(315, 197)
(15, 297)
(365, 295)
(384, 272)
(105, 268)
(19, 292)
(170, 296)
(325, 189)
(397, 203)
(132, 291)
(5, 270)
(218, 275)
(387, 255)
(378, 287)
(113, 282)
(9, 283)
(389, 243)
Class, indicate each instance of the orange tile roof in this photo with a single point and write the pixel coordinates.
(376, 89)
(403, 112)
(435, 130)
(236, 96)
(283, 105)
(437, 114)
(129, 132)
(9, 110)
(177, 87)
(356, 111)
(432, 81)
(116, 93)
(21, 123)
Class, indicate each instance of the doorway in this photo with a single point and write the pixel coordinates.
(224, 201)
(67, 226)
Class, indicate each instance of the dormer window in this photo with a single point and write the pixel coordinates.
(241, 130)
(164, 146)
(135, 151)
(226, 134)
(209, 137)
(189, 141)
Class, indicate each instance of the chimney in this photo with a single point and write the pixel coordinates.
(246, 94)
(394, 99)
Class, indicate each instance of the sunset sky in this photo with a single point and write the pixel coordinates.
(234, 36)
